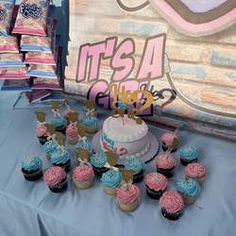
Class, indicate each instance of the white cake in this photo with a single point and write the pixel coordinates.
(124, 136)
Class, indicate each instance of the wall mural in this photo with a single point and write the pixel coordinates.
(185, 48)
(194, 18)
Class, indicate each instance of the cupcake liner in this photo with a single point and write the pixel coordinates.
(110, 191)
(188, 200)
(59, 187)
(42, 140)
(61, 129)
(168, 173)
(128, 207)
(99, 171)
(153, 194)
(137, 178)
(171, 216)
(32, 175)
(185, 162)
(91, 130)
(83, 185)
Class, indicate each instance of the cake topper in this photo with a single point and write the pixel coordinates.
(127, 176)
(50, 129)
(83, 155)
(112, 158)
(60, 138)
(90, 104)
(141, 97)
(41, 116)
(81, 131)
(73, 117)
(55, 108)
(90, 108)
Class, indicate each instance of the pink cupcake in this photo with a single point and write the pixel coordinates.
(165, 164)
(128, 197)
(83, 176)
(172, 205)
(56, 179)
(41, 133)
(72, 133)
(156, 184)
(169, 140)
(195, 171)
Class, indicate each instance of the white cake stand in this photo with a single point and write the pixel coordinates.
(149, 156)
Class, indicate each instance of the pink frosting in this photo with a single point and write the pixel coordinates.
(54, 175)
(172, 202)
(41, 130)
(168, 138)
(127, 194)
(72, 131)
(195, 170)
(156, 181)
(166, 161)
(83, 173)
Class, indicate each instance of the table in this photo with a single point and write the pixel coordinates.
(29, 208)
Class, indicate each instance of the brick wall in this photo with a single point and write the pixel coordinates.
(204, 69)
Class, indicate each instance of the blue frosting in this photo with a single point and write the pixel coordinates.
(111, 179)
(134, 164)
(107, 141)
(59, 157)
(58, 121)
(98, 160)
(189, 187)
(87, 145)
(122, 106)
(90, 121)
(31, 164)
(50, 146)
(189, 153)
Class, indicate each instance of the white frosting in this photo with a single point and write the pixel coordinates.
(128, 138)
(124, 129)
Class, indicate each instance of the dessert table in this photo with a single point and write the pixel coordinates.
(29, 208)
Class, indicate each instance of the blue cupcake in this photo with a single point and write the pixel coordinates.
(90, 124)
(49, 147)
(189, 189)
(86, 145)
(61, 158)
(59, 122)
(31, 168)
(188, 154)
(137, 166)
(98, 162)
(111, 180)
